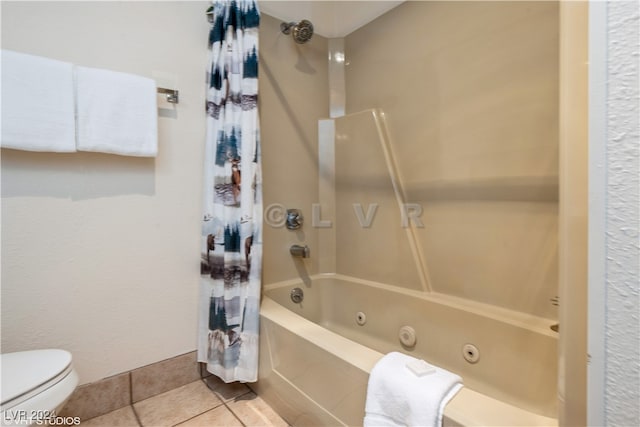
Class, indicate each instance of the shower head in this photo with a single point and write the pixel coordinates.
(300, 31)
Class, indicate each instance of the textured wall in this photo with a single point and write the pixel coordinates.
(622, 330)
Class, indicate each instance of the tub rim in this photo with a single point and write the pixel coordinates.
(530, 322)
(466, 408)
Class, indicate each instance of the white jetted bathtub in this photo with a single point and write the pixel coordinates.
(316, 355)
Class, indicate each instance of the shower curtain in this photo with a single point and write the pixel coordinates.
(232, 219)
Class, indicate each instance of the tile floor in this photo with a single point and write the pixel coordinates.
(207, 403)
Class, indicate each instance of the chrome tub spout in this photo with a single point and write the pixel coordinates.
(300, 251)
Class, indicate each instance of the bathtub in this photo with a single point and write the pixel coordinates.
(315, 356)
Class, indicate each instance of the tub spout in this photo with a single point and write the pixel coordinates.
(300, 251)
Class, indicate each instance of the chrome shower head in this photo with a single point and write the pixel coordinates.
(303, 31)
(300, 31)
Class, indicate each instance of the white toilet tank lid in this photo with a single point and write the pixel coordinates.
(24, 371)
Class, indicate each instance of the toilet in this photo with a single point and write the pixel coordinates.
(35, 385)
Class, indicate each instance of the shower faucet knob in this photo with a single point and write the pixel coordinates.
(294, 219)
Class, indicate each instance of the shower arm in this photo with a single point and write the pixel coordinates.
(301, 31)
(285, 27)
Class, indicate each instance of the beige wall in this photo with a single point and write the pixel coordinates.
(470, 91)
(100, 253)
(293, 97)
(371, 242)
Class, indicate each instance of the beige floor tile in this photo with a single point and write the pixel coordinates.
(123, 417)
(253, 411)
(176, 406)
(224, 391)
(218, 417)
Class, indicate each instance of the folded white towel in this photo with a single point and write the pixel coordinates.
(117, 113)
(398, 397)
(37, 103)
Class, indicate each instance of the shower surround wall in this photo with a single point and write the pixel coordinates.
(470, 92)
(99, 252)
(293, 96)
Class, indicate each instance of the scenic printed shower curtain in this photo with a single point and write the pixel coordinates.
(232, 219)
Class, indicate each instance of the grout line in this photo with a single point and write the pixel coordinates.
(135, 414)
(233, 413)
(133, 408)
(219, 397)
(130, 389)
(243, 394)
(224, 403)
(203, 370)
(249, 387)
(206, 384)
(195, 416)
(131, 399)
